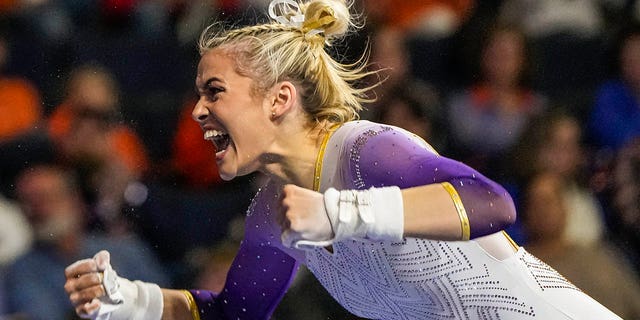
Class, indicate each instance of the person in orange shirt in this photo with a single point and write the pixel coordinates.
(20, 102)
(436, 18)
(193, 158)
(87, 122)
(88, 135)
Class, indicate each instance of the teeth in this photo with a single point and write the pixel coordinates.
(209, 134)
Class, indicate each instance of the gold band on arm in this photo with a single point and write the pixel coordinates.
(462, 213)
(195, 315)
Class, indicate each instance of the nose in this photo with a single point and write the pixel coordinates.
(200, 113)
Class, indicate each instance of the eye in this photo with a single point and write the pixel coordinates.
(213, 92)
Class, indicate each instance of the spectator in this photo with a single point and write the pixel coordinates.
(402, 99)
(615, 118)
(87, 130)
(553, 143)
(15, 239)
(52, 203)
(487, 118)
(543, 18)
(193, 159)
(15, 232)
(618, 185)
(432, 18)
(20, 102)
(597, 268)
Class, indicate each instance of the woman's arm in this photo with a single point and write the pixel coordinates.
(176, 305)
(396, 186)
(429, 212)
(256, 282)
(442, 199)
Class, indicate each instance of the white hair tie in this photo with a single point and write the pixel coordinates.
(290, 13)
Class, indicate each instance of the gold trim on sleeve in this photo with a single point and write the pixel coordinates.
(462, 213)
(193, 307)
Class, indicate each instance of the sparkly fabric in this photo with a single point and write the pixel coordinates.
(412, 279)
(384, 156)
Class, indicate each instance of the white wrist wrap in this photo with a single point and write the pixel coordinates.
(374, 214)
(129, 300)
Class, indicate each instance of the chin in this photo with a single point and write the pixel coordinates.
(226, 176)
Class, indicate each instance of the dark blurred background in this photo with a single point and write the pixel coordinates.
(97, 148)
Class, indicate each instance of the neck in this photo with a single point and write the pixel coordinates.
(294, 160)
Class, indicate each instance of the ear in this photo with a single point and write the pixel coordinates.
(284, 99)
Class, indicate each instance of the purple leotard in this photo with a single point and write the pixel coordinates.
(369, 155)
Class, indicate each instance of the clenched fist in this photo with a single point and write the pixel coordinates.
(85, 283)
(303, 218)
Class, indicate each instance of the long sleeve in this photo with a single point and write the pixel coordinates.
(389, 156)
(259, 276)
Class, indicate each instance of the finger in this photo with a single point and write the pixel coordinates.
(85, 310)
(80, 267)
(281, 216)
(86, 295)
(82, 282)
(102, 259)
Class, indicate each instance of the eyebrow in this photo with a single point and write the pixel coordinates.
(207, 83)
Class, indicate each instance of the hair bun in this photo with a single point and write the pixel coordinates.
(330, 17)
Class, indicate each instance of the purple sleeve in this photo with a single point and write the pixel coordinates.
(390, 157)
(257, 281)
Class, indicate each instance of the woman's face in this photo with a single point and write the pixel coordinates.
(503, 58)
(232, 115)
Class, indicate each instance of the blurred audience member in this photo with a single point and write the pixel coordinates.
(542, 18)
(487, 118)
(15, 240)
(428, 18)
(88, 131)
(402, 99)
(553, 143)
(15, 232)
(20, 103)
(49, 21)
(597, 268)
(410, 110)
(193, 158)
(50, 199)
(618, 185)
(615, 117)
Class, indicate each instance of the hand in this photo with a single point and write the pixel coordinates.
(303, 216)
(84, 283)
(97, 293)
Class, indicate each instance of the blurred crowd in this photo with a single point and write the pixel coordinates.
(98, 149)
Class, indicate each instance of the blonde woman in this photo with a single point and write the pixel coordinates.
(380, 218)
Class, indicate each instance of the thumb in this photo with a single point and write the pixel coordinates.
(102, 259)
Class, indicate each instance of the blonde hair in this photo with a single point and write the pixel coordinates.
(278, 51)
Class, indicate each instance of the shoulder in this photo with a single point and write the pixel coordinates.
(375, 154)
(371, 137)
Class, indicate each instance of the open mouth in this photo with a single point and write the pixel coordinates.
(219, 139)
